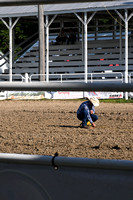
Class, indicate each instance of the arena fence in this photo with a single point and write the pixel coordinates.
(68, 77)
(33, 177)
(71, 86)
(16, 77)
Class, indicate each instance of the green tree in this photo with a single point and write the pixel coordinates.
(4, 38)
(22, 30)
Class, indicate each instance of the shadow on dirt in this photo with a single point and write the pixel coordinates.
(64, 126)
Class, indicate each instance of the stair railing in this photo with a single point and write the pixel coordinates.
(5, 56)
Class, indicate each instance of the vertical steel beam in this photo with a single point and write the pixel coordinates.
(126, 50)
(47, 49)
(47, 44)
(41, 42)
(85, 46)
(120, 28)
(10, 28)
(85, 22)
(10, 50)
(82, 42)
(126, 45)
(13, 44)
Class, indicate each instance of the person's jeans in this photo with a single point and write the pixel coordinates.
(83, 117)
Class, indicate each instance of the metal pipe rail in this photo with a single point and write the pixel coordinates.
(76, 86)
(2, 76)
(33, 177)
(67, 161)
(76, 76)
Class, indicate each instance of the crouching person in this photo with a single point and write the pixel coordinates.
(86, 111)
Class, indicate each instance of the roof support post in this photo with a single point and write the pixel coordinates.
(85, 47)
(120, 29)
(126, 19)
(10, 28)
(126, 50)
(10, 50)
(41, 42)
(47, 50)
(13, 45)
(47, 24)
(11, 57)
(85, 22)
(82, 42)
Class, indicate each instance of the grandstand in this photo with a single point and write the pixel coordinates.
(102, 51)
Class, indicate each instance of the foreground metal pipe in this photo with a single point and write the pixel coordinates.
(43, 86)
(66, 161)
(54, 177)
(37, 2)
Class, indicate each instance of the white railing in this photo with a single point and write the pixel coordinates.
(130, 77)
(117, 76)
(14, 76)
(80, 77)
(73, 77)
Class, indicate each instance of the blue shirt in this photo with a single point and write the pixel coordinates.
(87, 105)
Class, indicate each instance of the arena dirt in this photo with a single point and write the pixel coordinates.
(49, 126)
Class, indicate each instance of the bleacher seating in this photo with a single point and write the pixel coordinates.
(103, 55)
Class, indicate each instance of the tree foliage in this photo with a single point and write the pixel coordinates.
(22, 31)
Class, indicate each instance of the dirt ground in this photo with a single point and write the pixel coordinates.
(49, 126)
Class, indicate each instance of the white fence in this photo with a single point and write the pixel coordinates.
(79, 77)
(15, 77)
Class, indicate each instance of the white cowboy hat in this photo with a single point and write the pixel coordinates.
(94, 101)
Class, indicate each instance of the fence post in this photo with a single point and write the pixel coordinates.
(26, 77)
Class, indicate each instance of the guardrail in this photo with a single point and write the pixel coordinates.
(130, 77)
(14, 76)
(79, 77)
(72, 77)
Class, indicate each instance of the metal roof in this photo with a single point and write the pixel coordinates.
(40, 2)
(18, 11)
